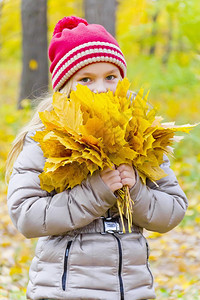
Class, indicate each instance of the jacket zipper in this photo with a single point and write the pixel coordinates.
(64, 277)
(120, 268)
(147, 263)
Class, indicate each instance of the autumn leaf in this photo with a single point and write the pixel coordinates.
(33, 64)
(88, 132)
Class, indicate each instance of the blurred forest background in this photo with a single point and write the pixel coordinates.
(161, 42)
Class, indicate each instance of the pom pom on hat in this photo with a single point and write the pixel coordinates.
(69, 23)
(76, 44)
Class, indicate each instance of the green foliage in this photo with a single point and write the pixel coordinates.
(190, 23)
(150, 71)
(171, 27)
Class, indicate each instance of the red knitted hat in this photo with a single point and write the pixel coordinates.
(76, 44)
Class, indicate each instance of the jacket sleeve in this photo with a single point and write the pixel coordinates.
(37, 213)
(159, 207)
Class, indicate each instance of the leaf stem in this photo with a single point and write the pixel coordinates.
(125, 207)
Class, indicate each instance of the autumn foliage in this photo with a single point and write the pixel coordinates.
(88, 132)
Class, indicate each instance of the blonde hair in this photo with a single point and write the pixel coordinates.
(34, 124)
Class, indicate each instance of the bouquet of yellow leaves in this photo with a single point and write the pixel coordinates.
(88, 132)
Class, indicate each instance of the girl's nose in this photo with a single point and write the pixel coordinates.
(100, 87)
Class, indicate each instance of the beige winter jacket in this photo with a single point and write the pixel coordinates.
(75, 258)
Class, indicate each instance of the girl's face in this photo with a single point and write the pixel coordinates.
(98, 77)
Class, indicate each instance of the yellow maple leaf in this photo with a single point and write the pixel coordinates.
(122, 88)
(88, 132)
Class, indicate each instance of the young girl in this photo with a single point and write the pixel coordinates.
(81, 251)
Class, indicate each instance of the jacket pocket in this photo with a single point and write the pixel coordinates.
(64, 276)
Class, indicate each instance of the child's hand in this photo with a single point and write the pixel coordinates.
(115, 179)
(111, 177)
(127, 175)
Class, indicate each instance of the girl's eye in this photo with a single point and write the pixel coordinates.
(85, 79)
(110, 77)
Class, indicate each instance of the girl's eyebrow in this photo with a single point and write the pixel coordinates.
(85, 74)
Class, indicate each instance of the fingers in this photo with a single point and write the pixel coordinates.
(125, 167)
(117, 178)
(114, 186)
(127, 174)
(112, 179)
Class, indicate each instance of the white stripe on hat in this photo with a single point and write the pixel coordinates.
(56, 73)
(85, 45)
(84, 63)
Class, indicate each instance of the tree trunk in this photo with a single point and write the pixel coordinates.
(153, 34)
(34, 78)
(168, 51)
(101, 12)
